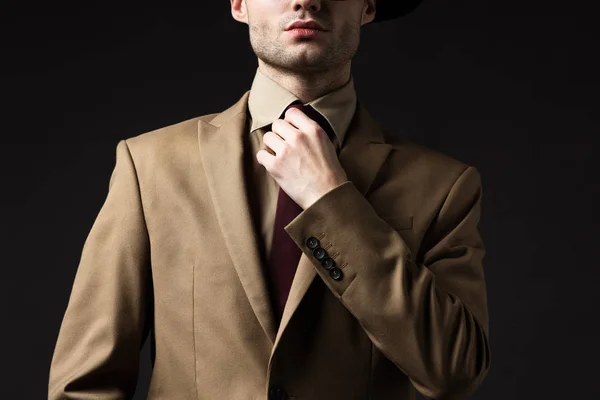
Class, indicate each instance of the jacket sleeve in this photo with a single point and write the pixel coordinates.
(108, 314)
(428, 316)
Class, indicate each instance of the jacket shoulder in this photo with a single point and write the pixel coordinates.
(425, 174)
(422, 158)
(182, 131)
(159, 145)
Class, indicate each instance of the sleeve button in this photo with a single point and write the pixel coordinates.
(336, 273)
(327, 263)
(312, 242)
(319, 253)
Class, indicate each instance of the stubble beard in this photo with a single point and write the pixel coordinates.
(269, 47)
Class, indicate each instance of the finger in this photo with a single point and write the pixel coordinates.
(265, 159)
(273, 142)
(301, 121)
(284, 129)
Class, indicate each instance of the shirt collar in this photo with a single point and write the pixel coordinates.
(268, 100)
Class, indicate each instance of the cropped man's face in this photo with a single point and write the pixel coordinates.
(273, 43)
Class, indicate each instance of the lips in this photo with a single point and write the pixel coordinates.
(309, 24)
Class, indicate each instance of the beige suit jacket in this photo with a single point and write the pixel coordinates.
(172, 252)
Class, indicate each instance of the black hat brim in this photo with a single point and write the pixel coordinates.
(390, 9)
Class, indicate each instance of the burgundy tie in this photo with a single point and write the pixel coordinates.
(285, 254)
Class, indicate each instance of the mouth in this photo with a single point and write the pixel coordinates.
(305, 29)
(304, 33)
(305, 24)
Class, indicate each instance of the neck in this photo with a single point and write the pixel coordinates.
(307, 85)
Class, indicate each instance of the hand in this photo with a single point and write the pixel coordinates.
(304, 163)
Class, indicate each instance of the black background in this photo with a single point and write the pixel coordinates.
(507, 86)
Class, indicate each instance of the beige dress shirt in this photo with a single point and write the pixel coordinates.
(266, 103)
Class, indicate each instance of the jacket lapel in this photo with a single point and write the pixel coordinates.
(221, 150)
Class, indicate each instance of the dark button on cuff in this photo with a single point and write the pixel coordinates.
(336, 273)
(328, 263)
(319, 253)
(312, 242)
(277, 393)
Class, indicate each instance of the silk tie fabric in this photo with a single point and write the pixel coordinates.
(285, 254)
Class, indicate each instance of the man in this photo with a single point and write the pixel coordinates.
(288, 247)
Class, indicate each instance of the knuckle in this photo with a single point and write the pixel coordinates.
(314, 128)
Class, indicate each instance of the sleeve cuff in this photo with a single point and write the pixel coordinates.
(340, 233)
